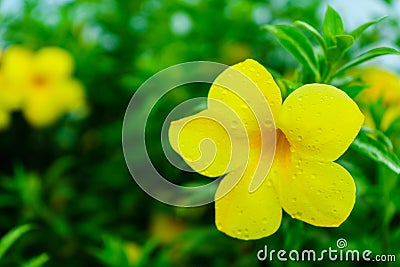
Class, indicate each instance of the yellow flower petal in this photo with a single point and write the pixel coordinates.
(382, 84)
(71, 95)
(53, 62)
(42, 109)
(320, 121)
(368, 120)
(5, 119)
(248, 88)
(319, 193)
(390, 116)
(205, 142)
(11, 97)
(246, 215)
(166, 228)
(16, 64)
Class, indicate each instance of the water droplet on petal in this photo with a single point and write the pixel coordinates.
(299, 138)
(297, 215)
(234, 124)
(298, 163)
(268, 123)
(246, 233)
(300, 98)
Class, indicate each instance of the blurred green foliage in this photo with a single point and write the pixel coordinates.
(70, 180)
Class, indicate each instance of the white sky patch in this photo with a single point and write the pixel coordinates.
(357, 12)
(11, 7)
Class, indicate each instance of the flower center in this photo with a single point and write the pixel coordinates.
(282, 151)
(39, 81)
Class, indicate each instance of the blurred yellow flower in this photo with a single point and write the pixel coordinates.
(133, 253)
(390, 116)
(314, 126)
(4, 119)
(234, 52)
(382, 84)
(165, 228)
(40, 84)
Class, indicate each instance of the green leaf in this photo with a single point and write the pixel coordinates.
(353, 90)
(359, 30)
(288, 86)
(344, 42)
(375, 150)
(333, 25)
(297, 44)
(376, 52)
(147, 251)
(314, 32)
(393, 127)
(13, 235)
(113, 252)
(37, 261)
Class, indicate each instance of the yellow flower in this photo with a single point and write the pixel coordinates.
(166, 228)
(40, 84)
(314, 126)
(4, 119)
(382, 84)
(11, 90)
(391, 115)
(133, 253)
(388, 119)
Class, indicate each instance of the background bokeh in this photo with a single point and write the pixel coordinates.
(69, 179)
